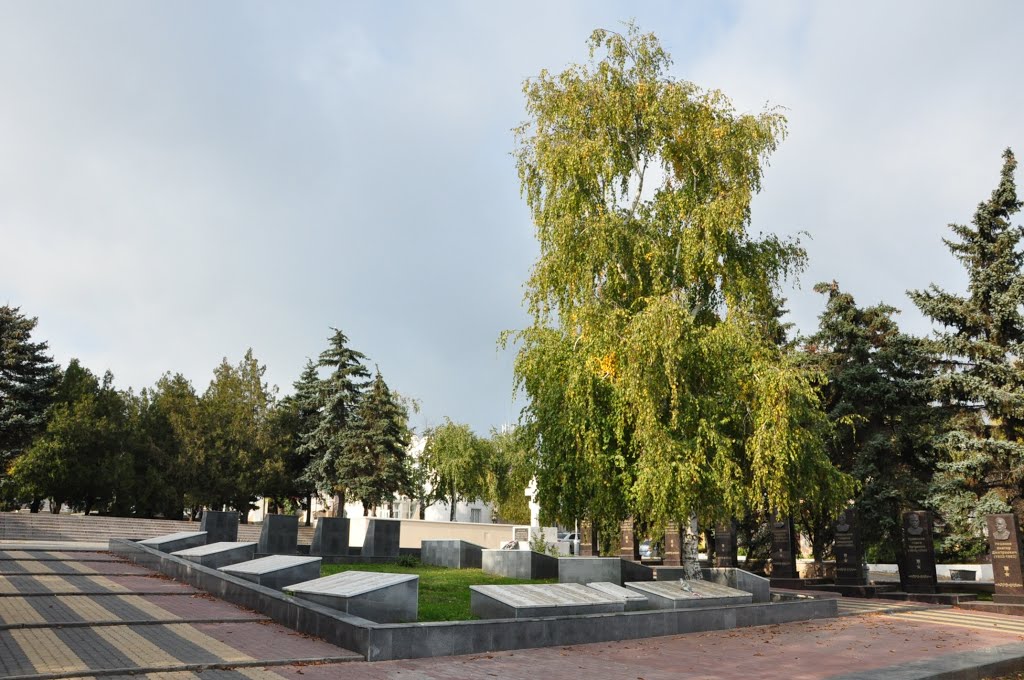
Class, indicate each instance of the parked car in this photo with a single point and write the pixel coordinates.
(648, 549)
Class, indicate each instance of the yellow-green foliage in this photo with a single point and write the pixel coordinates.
(656, 382)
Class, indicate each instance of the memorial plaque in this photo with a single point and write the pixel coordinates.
(1005, 544)
(725, 545)
(850, 565)
(783, 548)
(521, 534)
(629, 549)
(673, 546)
(588, 547)
(220, 527)
(917, 574)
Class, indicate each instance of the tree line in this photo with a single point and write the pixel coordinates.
(70, 437)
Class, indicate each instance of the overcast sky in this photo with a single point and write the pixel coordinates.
(180, 181)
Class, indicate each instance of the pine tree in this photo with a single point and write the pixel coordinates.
(983, 467)
(297, 417)
(876, 397)
(374, 465)
(28, 383)
(340, 393)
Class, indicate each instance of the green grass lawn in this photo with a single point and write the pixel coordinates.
(444, 593)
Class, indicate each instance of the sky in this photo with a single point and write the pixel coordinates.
(182, 181)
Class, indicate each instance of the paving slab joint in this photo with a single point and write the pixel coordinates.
(187, 667)
(141, 622)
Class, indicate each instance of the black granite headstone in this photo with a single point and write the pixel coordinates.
(673, 556)
(1005, 544)
(587, 542)
(330, 537)
(629, 549)
(219, 526)
(783, 548)
(725, 545)
(383, 537)
(917, 574)
(850, 565)
(279, 535)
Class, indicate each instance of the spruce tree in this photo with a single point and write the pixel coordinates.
(340, 393)
(876, 397)
(983, 467)
(28, 383)
(374, 465)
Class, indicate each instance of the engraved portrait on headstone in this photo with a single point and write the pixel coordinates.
(914, 525)
(1001, 531)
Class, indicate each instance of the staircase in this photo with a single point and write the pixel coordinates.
(23, 526)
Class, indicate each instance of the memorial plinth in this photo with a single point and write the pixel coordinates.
(277, 571)
(587, 569)
(382, 538)
(330, 537)
(279, 535)
(217, 555)
(521, 564)
(220, 527)
(688, 594)
(180, 540)
(382, 598)
(545, 599)
(451, 553)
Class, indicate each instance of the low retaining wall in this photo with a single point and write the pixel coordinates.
(382, 642)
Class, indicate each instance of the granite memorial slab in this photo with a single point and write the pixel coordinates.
(451, 553)
(588, 540)
(220, 527)
(851, 568)
(726, 549)
(634, 600)
(521, 564)
(217, 555)
(277, 571)
(683, 594)
(176, 541)
(673, 555)
(378, 597)
(629, 547)
(783, 548)
(383, 537)
(542, 599)
(917, 572)
(279, 535)
(587, 569)
(330, 537)
(1005, 544)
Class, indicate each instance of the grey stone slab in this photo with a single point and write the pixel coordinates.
(541, 599)
(276, 571)
(220, 527)
(330, 536)
(758, 586)
(279, 535)
(180, 540)
(688, 594)
(217, 555)
(634, 601)
(379, 597)
(521, 564)
(451, 553)
(589, 569)
(383, 537)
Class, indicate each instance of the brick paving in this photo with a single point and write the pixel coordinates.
(44, 633)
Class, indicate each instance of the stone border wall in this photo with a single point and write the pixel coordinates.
(383, 642)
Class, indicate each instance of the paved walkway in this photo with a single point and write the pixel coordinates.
(88, 614)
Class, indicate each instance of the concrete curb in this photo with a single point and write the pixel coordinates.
(381, 642)
(984, 663)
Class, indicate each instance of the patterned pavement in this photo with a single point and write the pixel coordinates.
(83, 614)
(77, 614)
